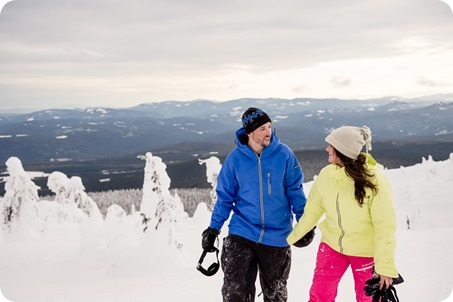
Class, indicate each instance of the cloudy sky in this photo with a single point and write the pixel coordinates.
(83, 53)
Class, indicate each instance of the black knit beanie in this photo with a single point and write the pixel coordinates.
(253, 118)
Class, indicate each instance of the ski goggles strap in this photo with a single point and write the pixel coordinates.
(213, 268)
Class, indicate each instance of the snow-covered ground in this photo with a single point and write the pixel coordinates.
(109, 260)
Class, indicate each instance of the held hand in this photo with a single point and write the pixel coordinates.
(306, 240)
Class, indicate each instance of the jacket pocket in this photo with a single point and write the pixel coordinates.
(269, 186)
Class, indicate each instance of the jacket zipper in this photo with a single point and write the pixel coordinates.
(340, 239)
(269, 187)
(260, 174)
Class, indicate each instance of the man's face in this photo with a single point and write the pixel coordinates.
(261, 136)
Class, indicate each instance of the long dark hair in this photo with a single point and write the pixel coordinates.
(356, 169)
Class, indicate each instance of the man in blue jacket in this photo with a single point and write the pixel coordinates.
(261, 182)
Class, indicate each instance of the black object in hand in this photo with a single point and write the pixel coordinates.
(384, 294)
(208, 238)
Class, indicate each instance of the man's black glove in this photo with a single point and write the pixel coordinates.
(384, 294)
(208, 238)
(306, 240)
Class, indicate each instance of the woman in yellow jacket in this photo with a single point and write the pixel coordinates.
(359, 225)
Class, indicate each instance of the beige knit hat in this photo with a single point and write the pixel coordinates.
(350, 140)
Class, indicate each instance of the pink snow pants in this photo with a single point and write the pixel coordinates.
(330, 267)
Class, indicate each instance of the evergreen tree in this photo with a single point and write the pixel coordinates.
(78, 195)
(151, 189)
(159, 208)
(75, 204)
(58, 183)
(19, 204)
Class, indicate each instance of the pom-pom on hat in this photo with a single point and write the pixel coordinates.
(350, 140)
(254, 118)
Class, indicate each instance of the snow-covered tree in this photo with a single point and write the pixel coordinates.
(152, 192)
(58, 183)
(180, 214)
(213, 167)
(159, 208)
(75, 204)
(78, 195)
(19, 205)
(115, 226)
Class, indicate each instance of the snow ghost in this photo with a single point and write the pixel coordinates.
(213, 167)
(19, 205)
(58, 183)
(159, 209)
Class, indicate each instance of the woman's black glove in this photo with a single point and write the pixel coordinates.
(384, 294)
(208, 238)
(306, 240)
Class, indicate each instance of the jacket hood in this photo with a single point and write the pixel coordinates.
(370, 160)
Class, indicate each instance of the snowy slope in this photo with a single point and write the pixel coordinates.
(90, 262)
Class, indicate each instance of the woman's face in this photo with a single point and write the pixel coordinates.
(333, 158)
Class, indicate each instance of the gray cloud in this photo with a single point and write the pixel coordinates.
(77, 41)
(423, 81)
(299, 88)
(339, 82)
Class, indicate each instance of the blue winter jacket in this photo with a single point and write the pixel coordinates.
(262, 191)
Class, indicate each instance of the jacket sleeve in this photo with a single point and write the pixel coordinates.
(294, 189)
(314, 210)
(226, 190)
(384, 222)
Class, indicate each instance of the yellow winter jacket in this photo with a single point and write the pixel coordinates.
(367, 231)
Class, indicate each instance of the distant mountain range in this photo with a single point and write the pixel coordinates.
(184, 131)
